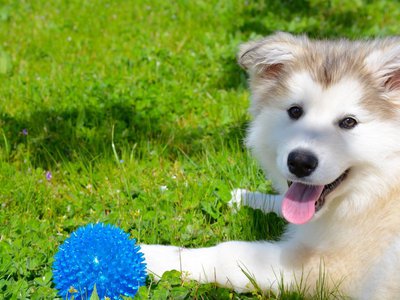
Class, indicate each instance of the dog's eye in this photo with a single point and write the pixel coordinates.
(348, 123)
(295, 112)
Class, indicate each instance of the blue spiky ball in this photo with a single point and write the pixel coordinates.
(101, 255)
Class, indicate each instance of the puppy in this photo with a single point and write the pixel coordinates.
(326, 130)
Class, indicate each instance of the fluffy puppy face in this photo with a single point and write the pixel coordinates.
(324, 112)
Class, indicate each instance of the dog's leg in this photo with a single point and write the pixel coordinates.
(265, 202)
(225, 264)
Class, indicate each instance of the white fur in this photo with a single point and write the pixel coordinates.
(356, 234)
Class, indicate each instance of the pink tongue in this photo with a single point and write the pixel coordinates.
(298, 206)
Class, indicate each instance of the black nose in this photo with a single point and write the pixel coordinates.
(302, 163)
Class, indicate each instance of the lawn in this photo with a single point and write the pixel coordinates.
(133, 113)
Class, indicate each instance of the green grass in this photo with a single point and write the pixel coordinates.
(120, 98)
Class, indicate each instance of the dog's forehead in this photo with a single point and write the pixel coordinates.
(329, 61)
(304, 87)
(350, 94)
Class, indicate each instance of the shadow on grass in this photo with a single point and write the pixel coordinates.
(52, 136)
(266, 226)
(318, 19)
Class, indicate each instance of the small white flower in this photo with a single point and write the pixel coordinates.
(163, 188)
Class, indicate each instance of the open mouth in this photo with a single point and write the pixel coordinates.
(301, 201)
(328, 189)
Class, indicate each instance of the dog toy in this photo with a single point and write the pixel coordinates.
(100, 257)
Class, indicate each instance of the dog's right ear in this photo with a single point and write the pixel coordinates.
(267, 57)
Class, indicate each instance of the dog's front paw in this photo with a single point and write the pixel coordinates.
(161, 258)
(237, 196)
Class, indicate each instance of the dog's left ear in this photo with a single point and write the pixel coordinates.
(384, 63)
